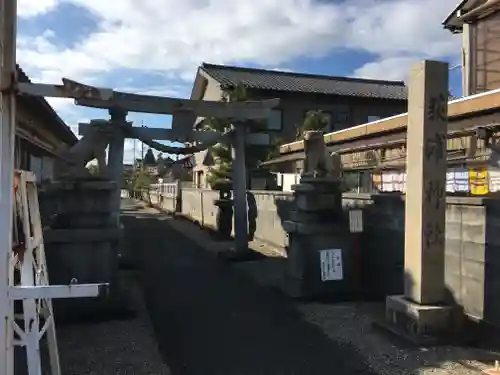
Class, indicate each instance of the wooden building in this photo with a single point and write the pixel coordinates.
(40, 133)
(374, 154)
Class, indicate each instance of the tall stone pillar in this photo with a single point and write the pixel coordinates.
(115, 156)
(240, 189)
(426, 183)
(426, 165)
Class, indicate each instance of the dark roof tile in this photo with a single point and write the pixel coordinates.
(262, 79)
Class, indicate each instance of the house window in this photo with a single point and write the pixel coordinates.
(365, 182)
(275, 120)
(328, 120)
(341, 117)
(373, 118)
(351, 181)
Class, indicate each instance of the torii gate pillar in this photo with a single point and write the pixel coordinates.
(115, 156)
(240, 188)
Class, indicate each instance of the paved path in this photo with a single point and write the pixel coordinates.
(209, 320)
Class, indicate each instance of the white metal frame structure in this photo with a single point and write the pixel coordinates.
(8, 20)
(33, 276)
(33, 289)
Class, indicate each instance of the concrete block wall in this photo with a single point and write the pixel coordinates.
(472, 252)
(472, 241)
(473, 256)
(272, 209)
(381, 243)
(198, 205)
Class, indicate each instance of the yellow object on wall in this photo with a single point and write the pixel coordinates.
(478, 181)
(377, 180)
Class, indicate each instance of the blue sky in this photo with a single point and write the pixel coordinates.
(155, 46)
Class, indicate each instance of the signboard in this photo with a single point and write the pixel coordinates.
(457, 180)
(494, 175)
(331, 265)
(478, 179)
(377, 181)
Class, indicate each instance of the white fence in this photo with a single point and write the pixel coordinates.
(166, 195)
(166, 190)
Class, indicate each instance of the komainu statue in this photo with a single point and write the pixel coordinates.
(495, 154)
(91, 146)
(318, 161)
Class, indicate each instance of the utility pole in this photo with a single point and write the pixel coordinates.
(133, 158)
(142, 147)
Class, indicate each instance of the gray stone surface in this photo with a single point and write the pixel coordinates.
(118, 347)
(81, 244)
(422, 324)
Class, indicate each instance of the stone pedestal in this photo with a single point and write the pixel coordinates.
(224, 218)
(423, 324)
(320, 255)
(81, 245)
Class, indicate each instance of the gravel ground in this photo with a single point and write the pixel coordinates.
(212, 318)
(123, 347)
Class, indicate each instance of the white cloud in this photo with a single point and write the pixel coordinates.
(64, 105)
(171, 36)
(392, 68)
(32, 8)
(167, 90)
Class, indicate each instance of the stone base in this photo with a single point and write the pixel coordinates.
(422, 324)
(233, 255)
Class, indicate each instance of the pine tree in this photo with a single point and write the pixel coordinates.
(149, 158)
(221, 153)
(142, 180)
(314, 120)
(221, 171)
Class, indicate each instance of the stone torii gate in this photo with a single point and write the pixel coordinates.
(119, 104)
(99, 134)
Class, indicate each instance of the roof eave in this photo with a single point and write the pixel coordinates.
(66, 134)
(453, 14)
(452, 22)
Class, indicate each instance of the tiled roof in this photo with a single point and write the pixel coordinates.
(229, 76)
(53, 121)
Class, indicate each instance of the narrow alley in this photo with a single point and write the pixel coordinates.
(215, 317)
(211, 320)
